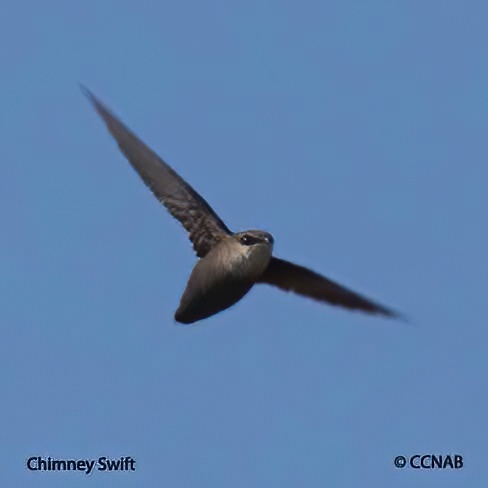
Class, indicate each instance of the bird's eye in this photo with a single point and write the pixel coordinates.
(248, 240)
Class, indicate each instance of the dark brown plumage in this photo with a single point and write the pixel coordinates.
(230, 263)
(203, 225)
(291, 277)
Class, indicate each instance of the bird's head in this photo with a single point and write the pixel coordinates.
(256, 247)
(255, 239)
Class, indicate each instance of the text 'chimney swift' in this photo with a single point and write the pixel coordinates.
(229, 264)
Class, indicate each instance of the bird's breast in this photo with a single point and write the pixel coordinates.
(220, 279)
(244, 262)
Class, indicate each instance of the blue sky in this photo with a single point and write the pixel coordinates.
(354, 132)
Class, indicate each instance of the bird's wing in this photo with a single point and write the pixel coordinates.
(291, 277)
(204, 226)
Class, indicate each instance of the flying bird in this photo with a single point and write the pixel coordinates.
(229, 263)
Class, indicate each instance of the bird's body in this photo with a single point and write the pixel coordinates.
(229, 263)
(222, 278)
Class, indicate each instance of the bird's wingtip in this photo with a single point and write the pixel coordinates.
(85, 90)
(405, 319)
(99, 106)
(393, 314)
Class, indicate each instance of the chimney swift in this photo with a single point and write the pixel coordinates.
(229, 263)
